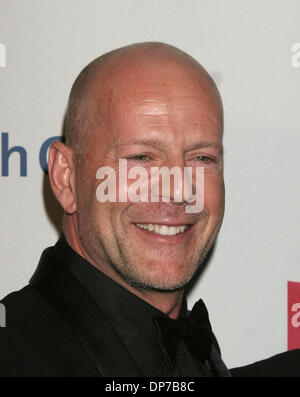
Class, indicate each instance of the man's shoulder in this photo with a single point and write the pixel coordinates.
(26, 295)
(17, 355)
(36, 340)
(25, 307)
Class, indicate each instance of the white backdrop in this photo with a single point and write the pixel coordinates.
(247, 46)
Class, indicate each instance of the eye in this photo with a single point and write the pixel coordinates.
(206, 159)
(139, 157)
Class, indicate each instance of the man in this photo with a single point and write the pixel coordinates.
(108, 299)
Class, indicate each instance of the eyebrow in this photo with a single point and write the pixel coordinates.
(204, 144)
(155, 144)
(160, 144)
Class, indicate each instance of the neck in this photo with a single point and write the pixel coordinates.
(166, 302)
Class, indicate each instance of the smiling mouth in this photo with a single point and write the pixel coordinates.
(163, 230)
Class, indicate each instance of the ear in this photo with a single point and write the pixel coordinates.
(62, 175)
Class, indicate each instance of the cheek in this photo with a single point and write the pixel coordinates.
(107, 218)
(84, 196)
(89, 209)
(214, 194)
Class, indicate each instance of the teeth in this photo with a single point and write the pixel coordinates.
(172, 230)
(150, 227)
(164, 230)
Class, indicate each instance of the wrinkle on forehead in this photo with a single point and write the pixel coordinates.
(165, 109)
(161, 106)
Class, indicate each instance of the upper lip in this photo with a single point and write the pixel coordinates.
(167, 223)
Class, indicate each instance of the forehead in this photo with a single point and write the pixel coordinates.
(170, 108)
(163, 112)
(161, 102)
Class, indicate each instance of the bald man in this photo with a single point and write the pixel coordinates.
(109, 298)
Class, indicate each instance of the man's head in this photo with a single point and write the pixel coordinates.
(155, 106)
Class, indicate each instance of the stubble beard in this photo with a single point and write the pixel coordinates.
(128, 266)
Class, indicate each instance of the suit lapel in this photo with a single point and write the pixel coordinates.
(94, 331)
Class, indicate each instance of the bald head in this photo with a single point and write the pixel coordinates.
(124, 69)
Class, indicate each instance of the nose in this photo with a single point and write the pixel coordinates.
(168, 182)
(175, 182)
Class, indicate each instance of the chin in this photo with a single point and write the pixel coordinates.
(162, 281)
(153, 285)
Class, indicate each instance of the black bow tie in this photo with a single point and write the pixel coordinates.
(194, 329)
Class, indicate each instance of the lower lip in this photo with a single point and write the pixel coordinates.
(159, 238)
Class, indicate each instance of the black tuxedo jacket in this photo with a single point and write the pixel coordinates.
(48, 332)
(54, 328)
